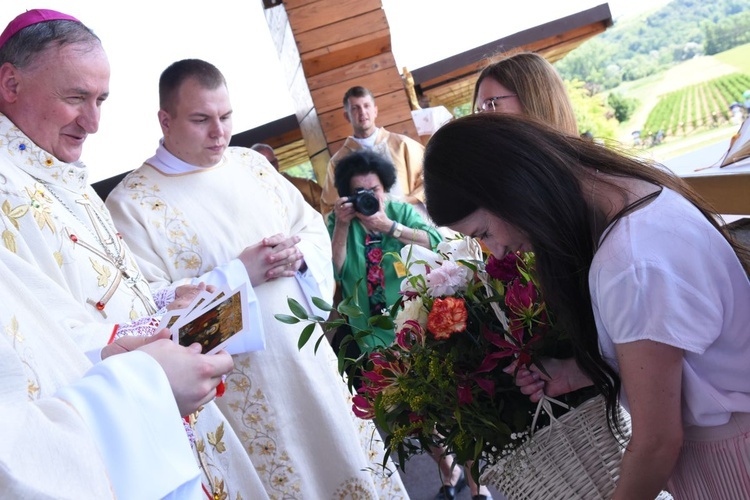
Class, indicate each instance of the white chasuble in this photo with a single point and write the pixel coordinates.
(69, 253)
(290, 407)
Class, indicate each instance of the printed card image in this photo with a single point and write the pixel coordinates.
(213, 326)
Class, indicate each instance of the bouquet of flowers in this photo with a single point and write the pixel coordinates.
(464, 317)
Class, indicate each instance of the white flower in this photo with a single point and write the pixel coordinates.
(416, 259)
(465, 248)
(448, 279)
(413, 310)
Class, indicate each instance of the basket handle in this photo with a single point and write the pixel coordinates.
(544, 403)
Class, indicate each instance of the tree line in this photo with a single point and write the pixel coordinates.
(653, 42)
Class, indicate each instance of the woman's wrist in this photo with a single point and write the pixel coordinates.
(395, 230)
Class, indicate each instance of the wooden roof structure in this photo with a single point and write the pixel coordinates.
(327, 46)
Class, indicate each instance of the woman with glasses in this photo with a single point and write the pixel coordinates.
(638, 270)
(525, 83)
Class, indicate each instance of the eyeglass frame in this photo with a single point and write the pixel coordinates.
(490, 101)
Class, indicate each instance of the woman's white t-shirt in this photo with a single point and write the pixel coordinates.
(664, 273)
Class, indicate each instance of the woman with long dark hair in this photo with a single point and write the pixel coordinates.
(638, 269)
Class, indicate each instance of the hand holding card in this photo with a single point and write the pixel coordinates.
(212, 319)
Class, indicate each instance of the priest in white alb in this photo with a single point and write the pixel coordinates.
(199, 207)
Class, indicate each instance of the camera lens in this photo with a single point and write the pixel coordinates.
(367, 203)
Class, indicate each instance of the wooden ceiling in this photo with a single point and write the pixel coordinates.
(450, 82)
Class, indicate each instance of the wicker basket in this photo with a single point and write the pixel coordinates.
(576, 457)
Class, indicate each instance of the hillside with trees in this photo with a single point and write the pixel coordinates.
(644, 45)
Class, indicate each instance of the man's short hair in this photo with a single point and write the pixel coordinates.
(21, 48)
(356, 92)
(207, 75)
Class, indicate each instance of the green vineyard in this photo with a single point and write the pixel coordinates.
(697, 107)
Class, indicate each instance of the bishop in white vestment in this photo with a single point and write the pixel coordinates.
(64, 245)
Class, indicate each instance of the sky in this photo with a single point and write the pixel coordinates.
(233, 35)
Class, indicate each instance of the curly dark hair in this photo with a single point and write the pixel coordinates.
(362, 163)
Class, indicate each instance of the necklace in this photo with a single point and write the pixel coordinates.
(113, 251)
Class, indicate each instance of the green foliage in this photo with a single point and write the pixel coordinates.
(304, 170)
(622, 106)
(647, 44)
(591, 111)
(463, 110)
(727, 33)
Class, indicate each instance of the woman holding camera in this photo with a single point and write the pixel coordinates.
(365, 226)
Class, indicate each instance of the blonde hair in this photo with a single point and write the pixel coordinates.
(537, 84)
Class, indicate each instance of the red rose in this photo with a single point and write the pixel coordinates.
(448, 316)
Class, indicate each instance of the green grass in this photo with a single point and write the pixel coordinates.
(738, 57)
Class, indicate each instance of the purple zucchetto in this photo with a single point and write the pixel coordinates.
(30, 17)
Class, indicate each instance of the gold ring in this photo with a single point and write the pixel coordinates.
(289, 265)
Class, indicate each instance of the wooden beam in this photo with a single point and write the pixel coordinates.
(449, 67)
(334, 33)
(351, 71)
(348, 52)
(382, 82)
(314, 15)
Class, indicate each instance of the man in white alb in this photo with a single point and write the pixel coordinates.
(192, 211)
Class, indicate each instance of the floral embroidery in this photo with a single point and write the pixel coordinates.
(39, 163)
(33, 385)
(211, 466)
(375, 274)
(103, 272)
(258, 433)
(183, 244)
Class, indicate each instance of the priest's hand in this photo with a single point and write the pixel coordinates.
(273, 257)
(193, 376)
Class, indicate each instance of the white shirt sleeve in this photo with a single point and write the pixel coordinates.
(317, 280)
(127, 403)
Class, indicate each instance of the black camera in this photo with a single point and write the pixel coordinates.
(364, 201)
